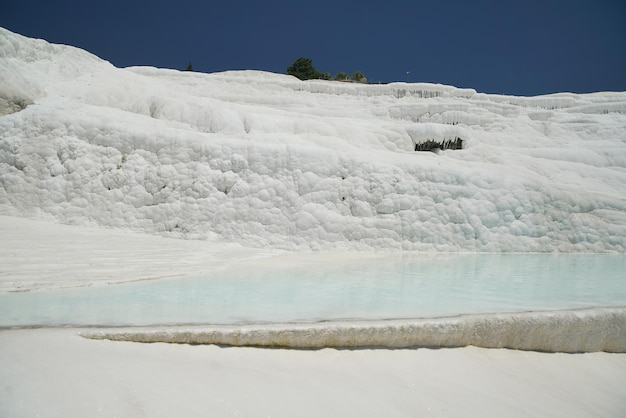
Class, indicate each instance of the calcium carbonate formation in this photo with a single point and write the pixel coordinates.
(268, 160)
(573, 331)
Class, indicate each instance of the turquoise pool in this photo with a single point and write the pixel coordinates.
(312, 289)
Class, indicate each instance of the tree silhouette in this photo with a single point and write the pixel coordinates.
(303, 69)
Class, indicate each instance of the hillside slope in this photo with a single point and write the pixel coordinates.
(267, 160)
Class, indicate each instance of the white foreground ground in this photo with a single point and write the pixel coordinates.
(56, 373)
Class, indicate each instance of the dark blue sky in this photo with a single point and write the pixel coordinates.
(495, 46)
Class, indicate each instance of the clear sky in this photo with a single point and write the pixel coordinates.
(495, 46)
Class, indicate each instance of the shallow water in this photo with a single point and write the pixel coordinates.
(321, 287)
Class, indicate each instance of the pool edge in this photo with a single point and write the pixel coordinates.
(567, 331)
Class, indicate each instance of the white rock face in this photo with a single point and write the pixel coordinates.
(268, 160)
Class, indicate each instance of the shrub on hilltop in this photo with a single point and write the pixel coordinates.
(303, 69)
(359, 77)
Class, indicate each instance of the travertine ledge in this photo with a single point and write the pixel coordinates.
(568, 331)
